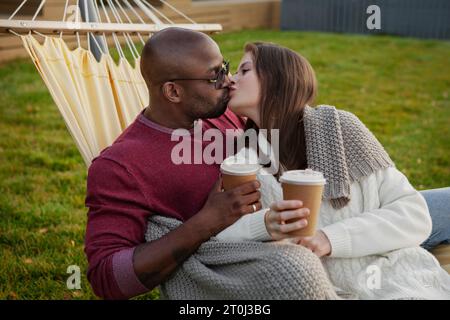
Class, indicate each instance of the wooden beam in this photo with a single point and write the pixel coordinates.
(50, 27)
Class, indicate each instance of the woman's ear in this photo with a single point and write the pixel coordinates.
(172, 92)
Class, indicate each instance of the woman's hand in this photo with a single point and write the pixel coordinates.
(277, 218)
(318, 244)
(280, 228)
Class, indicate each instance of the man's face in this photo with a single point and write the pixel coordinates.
(204, 99)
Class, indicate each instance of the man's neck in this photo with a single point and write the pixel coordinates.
(168, 119)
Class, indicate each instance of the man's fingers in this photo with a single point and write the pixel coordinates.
(286, 205)
(248, 187)
(251, 198)
(218, 185)
(257, 207)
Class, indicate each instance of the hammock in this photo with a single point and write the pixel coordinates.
(97, 97)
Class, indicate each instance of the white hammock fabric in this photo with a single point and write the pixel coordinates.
(97, 100)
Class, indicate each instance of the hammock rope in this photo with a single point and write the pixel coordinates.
(97, 97)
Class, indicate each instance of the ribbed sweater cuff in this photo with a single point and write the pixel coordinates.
(341, 244)
(126, 278)
(257, 226)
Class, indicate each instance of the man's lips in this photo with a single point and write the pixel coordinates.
(227, 96)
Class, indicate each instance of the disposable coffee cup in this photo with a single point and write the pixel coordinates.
(236, 173)
(307, 186)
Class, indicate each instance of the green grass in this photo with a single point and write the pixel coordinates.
(398, 87)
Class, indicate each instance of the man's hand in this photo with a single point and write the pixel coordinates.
(318, 244)
(155, 261)
(223, 208)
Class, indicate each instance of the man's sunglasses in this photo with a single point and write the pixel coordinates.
(218, 80)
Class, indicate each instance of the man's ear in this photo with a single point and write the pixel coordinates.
(172, 92)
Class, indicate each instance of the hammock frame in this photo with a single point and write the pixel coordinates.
(55, 27)
(118, 18)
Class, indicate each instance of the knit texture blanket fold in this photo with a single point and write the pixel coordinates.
(243, 270)
(340, 146)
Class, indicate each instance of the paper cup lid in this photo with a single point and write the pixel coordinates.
(239, 169)
(304, 177)
(238, 165)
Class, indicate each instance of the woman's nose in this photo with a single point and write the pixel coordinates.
(232, 77)
(228, 80)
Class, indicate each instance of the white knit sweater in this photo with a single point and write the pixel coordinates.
(375, 239)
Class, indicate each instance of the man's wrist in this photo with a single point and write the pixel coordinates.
(201, 227)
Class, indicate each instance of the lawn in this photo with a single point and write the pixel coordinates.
(398, 87)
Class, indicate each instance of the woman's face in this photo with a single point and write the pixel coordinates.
(245, 90)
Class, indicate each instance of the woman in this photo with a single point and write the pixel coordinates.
(372, 220)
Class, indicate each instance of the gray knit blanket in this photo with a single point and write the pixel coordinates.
(243, 270)
(340, 146)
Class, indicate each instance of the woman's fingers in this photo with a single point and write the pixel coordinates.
(281, 217)
(286, 205)
(294, 214)
(305, 240)
(308, 242)
(285, 217)
(294, 226)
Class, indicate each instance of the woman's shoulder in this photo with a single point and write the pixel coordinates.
(344, 115)
(349, 123)
(329, 110)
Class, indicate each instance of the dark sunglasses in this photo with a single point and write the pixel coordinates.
(218, 80)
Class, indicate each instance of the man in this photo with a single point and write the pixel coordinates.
(135, 177)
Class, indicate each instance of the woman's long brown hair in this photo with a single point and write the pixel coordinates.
(288, 84)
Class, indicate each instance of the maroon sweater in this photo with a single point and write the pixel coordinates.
(130, 180)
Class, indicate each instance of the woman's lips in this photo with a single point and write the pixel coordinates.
(231, 91)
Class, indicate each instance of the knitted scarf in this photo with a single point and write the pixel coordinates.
(340, 146)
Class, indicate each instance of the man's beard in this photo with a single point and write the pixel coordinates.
(207, 110)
